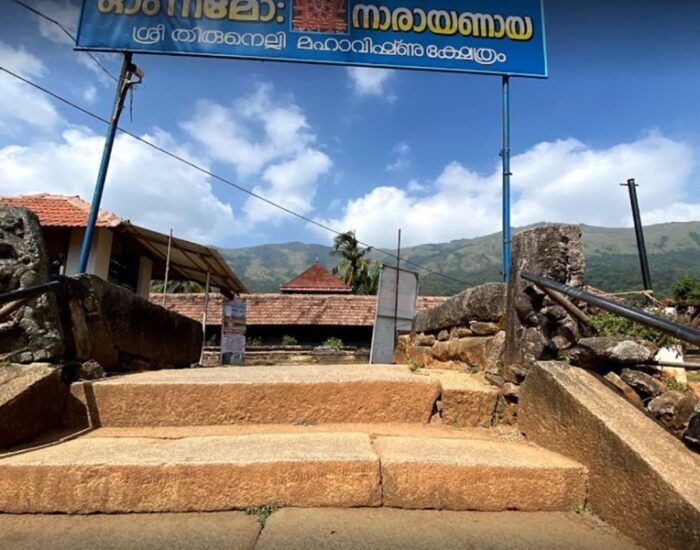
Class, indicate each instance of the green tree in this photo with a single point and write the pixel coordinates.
(354, 268)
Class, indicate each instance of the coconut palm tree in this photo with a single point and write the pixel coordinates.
(354, 268)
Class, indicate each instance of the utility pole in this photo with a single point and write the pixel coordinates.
(126, 82)
(641, 246)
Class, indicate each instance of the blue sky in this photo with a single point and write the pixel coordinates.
(370, 150)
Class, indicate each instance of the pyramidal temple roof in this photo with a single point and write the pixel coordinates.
(316, 280)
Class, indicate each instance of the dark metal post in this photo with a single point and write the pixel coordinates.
(122, 88)
(505, 154)
(641, 246)
(396, 296)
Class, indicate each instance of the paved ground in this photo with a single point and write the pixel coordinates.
(311, 529)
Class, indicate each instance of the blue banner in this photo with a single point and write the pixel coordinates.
(505, 37)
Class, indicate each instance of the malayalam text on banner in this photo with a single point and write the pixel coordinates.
(482, 36)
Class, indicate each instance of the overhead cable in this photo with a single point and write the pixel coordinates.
(230, 183)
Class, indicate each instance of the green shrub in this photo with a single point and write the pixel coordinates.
(333, 343)
(609, 324)
(289, 340)
(686, 289)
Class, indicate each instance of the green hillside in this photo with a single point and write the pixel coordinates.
(611, 260)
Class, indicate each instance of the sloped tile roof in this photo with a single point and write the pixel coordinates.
(316, 279)
(289, 309)
(61, 211)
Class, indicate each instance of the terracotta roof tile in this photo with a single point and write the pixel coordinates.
(316, 279)
(290, 309)
(61, 211)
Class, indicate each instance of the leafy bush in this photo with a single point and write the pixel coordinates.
(609, 324)
(333, 343)
(686, 289)
(289, 340)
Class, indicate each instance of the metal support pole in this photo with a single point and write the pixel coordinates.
(122, 88)
(505, 155)
(639, 231)
(167, 266)
(204, 318)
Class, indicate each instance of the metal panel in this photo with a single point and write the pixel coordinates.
(394, 313)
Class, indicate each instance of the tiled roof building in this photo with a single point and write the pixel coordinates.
(316, 280)
(290, 309)
(61, 211)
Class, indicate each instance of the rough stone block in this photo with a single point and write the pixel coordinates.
(642, 479)
(264, 395)
(111, 475)
(454, 474)
(31, 402)
(554, 252)
(33, 332)
(481, 303)
(466, 400)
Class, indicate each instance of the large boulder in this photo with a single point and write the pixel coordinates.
(482, 303)
(33, 332)
(554, 252)
(32, 398)
(607, 351)
(121, 331)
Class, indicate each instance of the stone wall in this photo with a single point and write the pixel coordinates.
(121, 331)
(473, 331)
(33, 332)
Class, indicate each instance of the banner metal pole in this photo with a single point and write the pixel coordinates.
(505, 155)
(122, 88)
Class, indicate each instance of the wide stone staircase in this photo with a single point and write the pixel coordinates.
(301, 436)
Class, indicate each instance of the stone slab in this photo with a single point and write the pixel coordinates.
(467, 400)
(432, 430)
(642, 480)
(88, 475)
(263, 395)
(31, 401)
(304, 529)
(454, 474)
(194, 531)
(121, 331)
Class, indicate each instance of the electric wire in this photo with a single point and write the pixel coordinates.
(68, 33)
(221, 179)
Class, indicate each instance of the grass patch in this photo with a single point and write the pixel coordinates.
(693, 376)
(675, 385)
(413, 367)
(262, 513)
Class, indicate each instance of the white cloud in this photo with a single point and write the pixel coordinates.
(371, 82)
(402, 154)
(562, 181)
(291, 183)
(20, 102)
(266, 139)
(138, 179)
(90, 94)
(66, 13)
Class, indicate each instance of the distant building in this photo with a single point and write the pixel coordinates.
(122, 253)
(310, 318)
(315, 280)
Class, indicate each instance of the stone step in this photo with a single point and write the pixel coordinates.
(308, 394)
(176, 473)
(261, 395)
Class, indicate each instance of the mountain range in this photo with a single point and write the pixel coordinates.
(612, 262)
